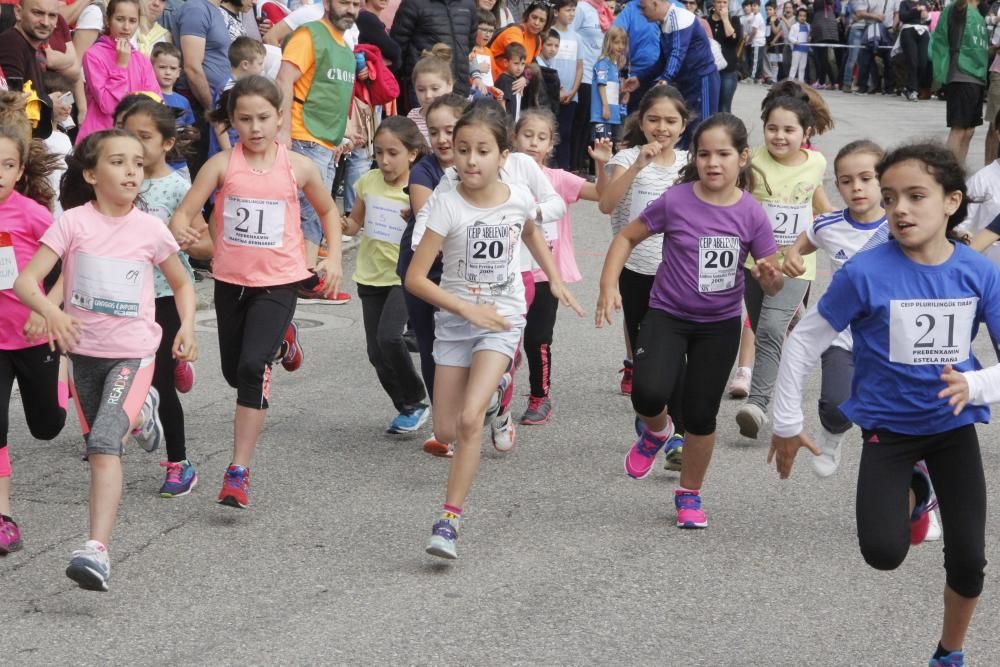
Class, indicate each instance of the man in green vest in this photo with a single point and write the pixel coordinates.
(959, 51)
(317, 83)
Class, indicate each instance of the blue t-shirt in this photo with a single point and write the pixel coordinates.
(178, 101)
(201, 18)
(908, 321)
(606, 76)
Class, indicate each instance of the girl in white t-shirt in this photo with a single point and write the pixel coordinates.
(478, 228)
(637, 177)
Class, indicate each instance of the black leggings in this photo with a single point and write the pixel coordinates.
(635, 288)
(918, 67)
(384, 313)
(538, 329)
(36, 370)
(956, 470)
(171, 412)
(252, 323)
(421, 315)
(710, 349)
(824, 70)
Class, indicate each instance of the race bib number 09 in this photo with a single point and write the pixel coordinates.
(259, 223)
(937, 331)
(487, 254)
(788, 220)
(108, 285)
(717, 263)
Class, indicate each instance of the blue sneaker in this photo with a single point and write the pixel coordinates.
(444, 535)
(181, 478)
(673, 451)
(953, 659)
(639, 460)
(90, 567)
(409, 421)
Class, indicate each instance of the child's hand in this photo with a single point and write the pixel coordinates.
(329, 269)
(565, 297)
(34, 328)
(123, 50)
(187, 237)
(785, 449)
(957, 391)
(605, 112)
(606, 302)
(768, 276)
(363, 75)
(647, 153)
(565, 97)
(519, 85)
(485, 316)
(793, 266)
(601, 150)
(185, 346)
(63, 331)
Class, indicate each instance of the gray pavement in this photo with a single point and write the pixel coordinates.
(563, 559)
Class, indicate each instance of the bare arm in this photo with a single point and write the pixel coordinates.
(621, 247)
(193, 51)
(62, 329)
(318, 194)
(277, 34)
(208, 180)
(356, 220)
(288, 74)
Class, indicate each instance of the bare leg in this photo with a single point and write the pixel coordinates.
(992, 144)
(745, 359)
(105, 495)
(958, 612)
(695, 458)
(247, 425)
(958, 141)
(5, 496)
(655, 424)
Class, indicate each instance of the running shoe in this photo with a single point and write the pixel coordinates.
(934, 529)
(625, 379)
(673, 452)
(409, 421)
(689, 512)
(90, 567)
(10, 537)
(750, 418)
(539, 411)
(739, 386)
(435, 447)
(235, 488)
(639, 460)
(502, 432)
(149, 435)
(292, 358)
(444, 535)
(316, 296)
(183, 376)
(920, 519)
(181, 478)
(496, 401)
(830, 446)
(953, 659)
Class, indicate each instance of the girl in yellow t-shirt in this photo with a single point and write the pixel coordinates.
(791, 192)
(376, 212)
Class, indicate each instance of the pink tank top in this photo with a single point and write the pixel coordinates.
(258, 237)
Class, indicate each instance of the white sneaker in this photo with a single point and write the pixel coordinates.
(750, 418)
(739, 386)
(828, 461)
(934, 529)
(90, 567)
(502, 430)
(150, 432)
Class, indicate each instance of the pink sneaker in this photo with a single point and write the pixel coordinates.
(184, 376)
(639, 460)
(10, 537)
(689, 512)
(625, 380)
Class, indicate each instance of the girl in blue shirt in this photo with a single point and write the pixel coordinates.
(605, 98)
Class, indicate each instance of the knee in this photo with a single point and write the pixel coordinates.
(964, 574)
(832, 419)
(50, 428)
(648, 398)
(699, 423)
(249, 372)
(882, 553)
(388, 340)
(470, 423)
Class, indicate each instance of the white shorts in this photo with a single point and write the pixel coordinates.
(456, 339)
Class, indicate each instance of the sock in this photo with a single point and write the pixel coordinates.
(4, 461)
(693, 492)
(451, 512)
(746, 369)
(942, 651)
(662, 435)
(7, 519)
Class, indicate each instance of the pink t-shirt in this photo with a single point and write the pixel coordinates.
(568, 186)
(22, 223)
(108, 278)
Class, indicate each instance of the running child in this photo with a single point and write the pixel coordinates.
(162, 191)
(637, 176)
(432, 77)
(606, 102)
(108, 249)
(259, 259)
(378, 211)
(914, 306)
(710, 223)
(478, 227)
(39, 372)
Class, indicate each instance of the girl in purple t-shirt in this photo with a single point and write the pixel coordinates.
(709, 223)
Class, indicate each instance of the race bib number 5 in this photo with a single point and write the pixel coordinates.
(717, 264)
(788, 220)
(937, 331)
(259, 223)
(487, 254)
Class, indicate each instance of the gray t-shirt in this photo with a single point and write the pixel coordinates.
(200, 18)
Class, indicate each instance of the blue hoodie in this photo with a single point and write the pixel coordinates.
(685, 46)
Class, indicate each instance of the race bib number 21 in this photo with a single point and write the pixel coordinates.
(936, 331)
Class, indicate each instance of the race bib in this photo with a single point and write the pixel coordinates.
(567, 49)
(487, 254)
(107, 285)
(936, 331)
(258, 223)
(382, 219)
(550, 230)
(485, 68)
(8, 262)
(641, 198)
(788, 220)
(611, 90)
(717, 264)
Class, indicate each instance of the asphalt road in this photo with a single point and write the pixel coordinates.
(563, 559)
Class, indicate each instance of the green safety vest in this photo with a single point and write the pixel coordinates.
(325, 109)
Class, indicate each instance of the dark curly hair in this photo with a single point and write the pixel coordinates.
(940, 162)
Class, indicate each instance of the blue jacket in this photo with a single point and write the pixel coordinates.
(643, 42)
(685, 46)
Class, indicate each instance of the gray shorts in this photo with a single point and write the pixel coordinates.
(456, 340)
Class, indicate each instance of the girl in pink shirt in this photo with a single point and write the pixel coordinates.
(41, 378)
(259, 260)
(114, 69)
(108, 249)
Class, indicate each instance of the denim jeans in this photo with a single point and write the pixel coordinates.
(357, 162)
(854, 38)
(323, 158)
(727, 89)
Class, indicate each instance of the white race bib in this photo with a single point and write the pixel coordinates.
(108, 285)
(485, 68)
(788, 220)
(567, 49)
(487, 254)
(642, 197)
(934, 331)
(382, 219)
(611, 91)
(550, 230)
(717, 262)
(259, 223)
(8, 262)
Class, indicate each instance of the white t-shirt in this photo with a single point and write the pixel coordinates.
(984, 203)
(309, 13)
(757, 22)
(91, 18)
(646, 188)
(482, 248)
(59, 144)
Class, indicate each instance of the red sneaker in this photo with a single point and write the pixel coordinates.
(435, 447)
(293, 354)
(625, 380)
(315, 296)
(184, 376)
(235, 488)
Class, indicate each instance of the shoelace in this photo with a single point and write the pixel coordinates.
(688, 502)
(534, 402)
(444, 529)
(173, 471)
(648, 445)
(235, 478)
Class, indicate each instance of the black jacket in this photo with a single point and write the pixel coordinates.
(420, 24)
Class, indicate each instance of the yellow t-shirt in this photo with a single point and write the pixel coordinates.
(299, 52)
(378, 252)
(787, 198)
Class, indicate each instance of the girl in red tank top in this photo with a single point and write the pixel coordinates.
(259, 261)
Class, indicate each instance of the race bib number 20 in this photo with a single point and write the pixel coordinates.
(487, 254)
(717, 263)
(936, 331)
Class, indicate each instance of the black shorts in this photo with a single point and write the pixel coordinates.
(964, 104)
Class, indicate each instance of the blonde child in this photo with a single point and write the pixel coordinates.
(432, 77)
(606, 100)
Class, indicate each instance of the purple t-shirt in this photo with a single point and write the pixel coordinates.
(704, 247)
